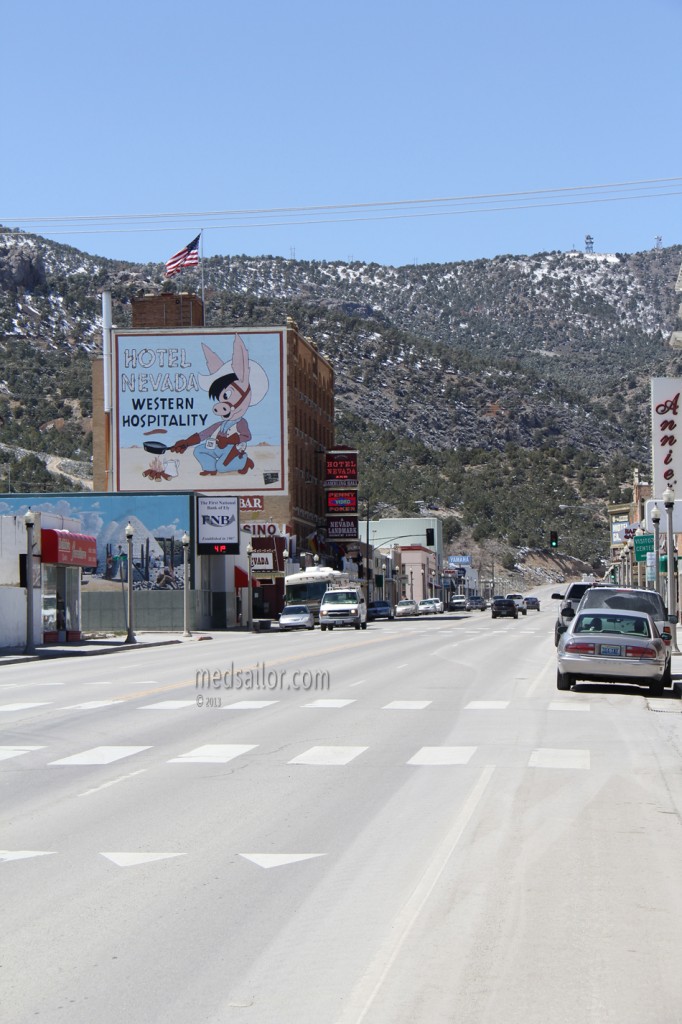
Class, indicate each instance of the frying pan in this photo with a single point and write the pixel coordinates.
(155, 447)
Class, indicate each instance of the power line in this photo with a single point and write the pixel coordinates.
(370, 211)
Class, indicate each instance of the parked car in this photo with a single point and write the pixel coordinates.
(520, 602)
(504, 606)
(612, 646)
(569, 603)
(296, 616)
(459, 603)
(406, 607)
(477, 604)
(621, 599)
(534, 603)
(379, 610)
(430, 606)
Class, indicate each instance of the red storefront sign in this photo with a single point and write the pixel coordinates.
(251, 503)
(342, 501)
(59, 547)
(342, 468)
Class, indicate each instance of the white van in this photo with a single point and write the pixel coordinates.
(343, 606)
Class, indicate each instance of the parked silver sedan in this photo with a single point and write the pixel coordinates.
(612, 647)
(406, 607)
(296, 616)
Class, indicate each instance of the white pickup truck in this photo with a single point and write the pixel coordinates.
(520, 602)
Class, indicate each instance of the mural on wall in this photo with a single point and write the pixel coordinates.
(158, 522)
(196, 411)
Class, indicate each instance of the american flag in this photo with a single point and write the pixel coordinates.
(187, 257)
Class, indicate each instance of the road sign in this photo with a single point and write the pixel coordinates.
(644, 542)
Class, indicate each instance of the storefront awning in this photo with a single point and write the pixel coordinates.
(241, 579)
(60, 547)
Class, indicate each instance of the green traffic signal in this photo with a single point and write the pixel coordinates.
(553, 539)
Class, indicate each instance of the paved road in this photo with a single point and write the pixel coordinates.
(420, 829)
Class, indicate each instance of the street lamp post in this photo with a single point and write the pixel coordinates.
(285, 559)
(625, 555)
(130, 637)
(669, 504)
(29, 522)
(249, 553)
(656, 520)
(639, 532)
(185, 584)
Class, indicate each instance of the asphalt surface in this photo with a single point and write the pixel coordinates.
(415, 828)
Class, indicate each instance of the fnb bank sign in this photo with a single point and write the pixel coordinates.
(208, 520)
(217, 524)
(666, 433)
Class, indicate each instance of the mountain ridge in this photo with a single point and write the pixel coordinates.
(443, 371)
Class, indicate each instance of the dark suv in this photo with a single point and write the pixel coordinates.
(569, 602)
(504, 606)
(379, 610)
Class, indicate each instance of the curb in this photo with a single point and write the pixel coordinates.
(52, 655)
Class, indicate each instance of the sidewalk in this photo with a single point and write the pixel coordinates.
(97, 645)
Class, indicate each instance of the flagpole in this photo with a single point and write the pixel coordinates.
(203, 304)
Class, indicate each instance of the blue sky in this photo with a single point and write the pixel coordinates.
(165, 108)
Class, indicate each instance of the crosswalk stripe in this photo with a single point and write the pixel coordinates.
(100, 755)
(249, 705)
(168, 705)
(328, 755)
(329, 703)
(551, 757)
(90, 705)
(487, 705)
(443, 755)
(25, 707)
(7, 752)
(407, 705)
(214, 753)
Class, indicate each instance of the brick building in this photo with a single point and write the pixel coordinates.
(308, 414)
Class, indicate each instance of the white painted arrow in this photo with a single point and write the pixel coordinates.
(277, 860)
(24, 854)
(127, 860)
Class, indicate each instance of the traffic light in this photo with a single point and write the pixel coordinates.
(429, 536)
(553, 539)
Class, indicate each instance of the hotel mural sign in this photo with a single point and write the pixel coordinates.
(200, 410)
